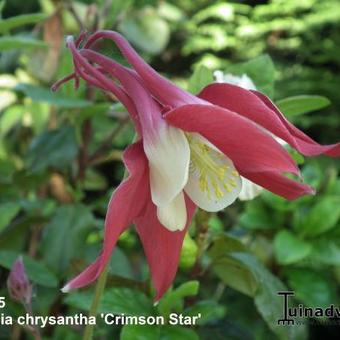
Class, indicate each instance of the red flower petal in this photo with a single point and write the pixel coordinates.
(162, 247)
(126, 203)
(280, 185)
(250, 148)
(258, 108)
(160, 87)
(306, 145)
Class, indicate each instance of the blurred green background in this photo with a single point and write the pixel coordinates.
(60, 160)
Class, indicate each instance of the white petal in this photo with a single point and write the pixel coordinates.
(243, 81)
(168, 153)
(173, 215)
(249, 190)
(213, 182)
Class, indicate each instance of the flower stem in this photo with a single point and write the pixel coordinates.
(88, 334)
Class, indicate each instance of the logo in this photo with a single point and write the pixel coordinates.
(291, 314)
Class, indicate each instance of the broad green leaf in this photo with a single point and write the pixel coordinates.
(20, 20)
(224, 244)
(173, 300)
(298, 105)
(45, 95)
(7, 169)
(147, 30)
(36, 271)
(179, 333)
(326, 251)
(120, 264)
(8, 211)
(148, 332)
(17, 42)
(255, 216)
(290, 249)
(10, 118)
(56, 148)
(236, 275)
(210, 311)
(201, 77)
(322, 217)
(136, 332)
(2, 5)
(65, 235)
(261, 70)
(65, 333)
(115, 300)
(170, 12)
(268, 303)
(311, 287)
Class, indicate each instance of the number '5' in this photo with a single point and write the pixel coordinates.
(2, 302)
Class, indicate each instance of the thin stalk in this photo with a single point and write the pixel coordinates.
(89, 329)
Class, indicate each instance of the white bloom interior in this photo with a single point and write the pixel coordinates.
(173, 215)
(213, 182)
(169, 156)
(249, 190)
(188, 162)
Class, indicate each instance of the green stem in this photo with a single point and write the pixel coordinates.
(88, 334)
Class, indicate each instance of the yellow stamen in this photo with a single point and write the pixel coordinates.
(212, 171)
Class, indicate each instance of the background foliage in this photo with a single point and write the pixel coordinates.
(60, 160)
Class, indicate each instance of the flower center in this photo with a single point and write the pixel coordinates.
(216, 173)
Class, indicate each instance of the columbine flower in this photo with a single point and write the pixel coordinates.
(18, 285)
(190, 152)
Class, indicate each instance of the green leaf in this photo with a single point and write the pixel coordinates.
(201, 77)
(224, 244)
(147, 30)
(268, 303)
(148, 332)
(299, 105)
(326, 251)
(178, 333)
(115, 300)
(145, 332)
(173, 300)
(45, 95)
(120, 264)
(8, 211)
(65, 235)
(10, 118)
(255, 216)
(312, 288)
(170, 12)
(210, 311)
(20, 20)
(36, 271)
(323, 216)
(7, 169)
(289, 249)
(17, 42)
(236, 275)
(2, 5)
(56, 148)
(261, 70)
